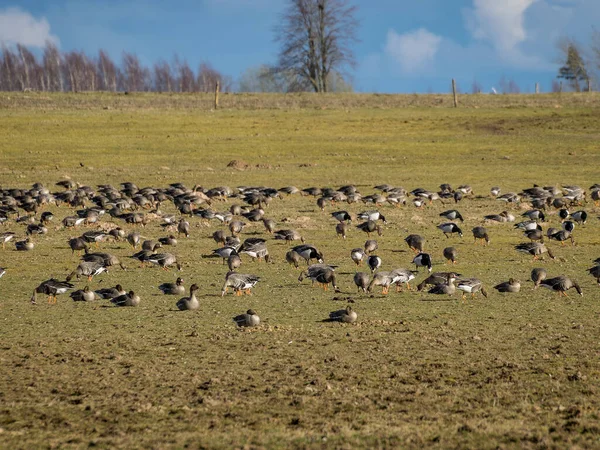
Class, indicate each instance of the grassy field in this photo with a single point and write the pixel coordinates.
(510, 371)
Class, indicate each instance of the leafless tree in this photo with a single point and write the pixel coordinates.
(108, 72)
(476, 87)
(316, 37)
(52, 63)
(207, 79)
(163, 77)
(135, 76)
(9, 70)
(186, 80)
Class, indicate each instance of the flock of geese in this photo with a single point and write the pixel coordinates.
(105, 208)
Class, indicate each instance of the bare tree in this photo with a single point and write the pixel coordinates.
(108, 72)
(207, 79)
(186, 80)
(163, 77)
(8, 70)
(135, 76)
(52, 63)
(316, 38)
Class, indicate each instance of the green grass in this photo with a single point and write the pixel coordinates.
(510, 371)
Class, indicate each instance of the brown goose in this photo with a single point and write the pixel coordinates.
(511, 285)
(561, 284)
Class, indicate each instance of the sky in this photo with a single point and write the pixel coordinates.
(404, 46)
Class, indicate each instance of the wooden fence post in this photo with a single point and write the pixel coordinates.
(454, 93)
(217, 95)
(537, 88)
(560, 88)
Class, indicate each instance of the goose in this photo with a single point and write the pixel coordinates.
(289, 190)
(341, 229)
(225, 252)
(35, 229)
(254, 215)
(129, 299)
(452, 214)
(481, 233)
(371, 216)
(342, 216)
(450, 254)
(269, 225)
(527, 225)
(219, 237)
(6, 237)
(422, 260)
(471, 286)
(240, 282)
(292, 257)
(308, 252)
(164, 260)
(347, 315)
(595, 272)
(168, 240)
(568, 225)
(448, 288)
(51, 288)
(561, 284)
(322, 274)
(108, 293)
(133, 239)
(257, 249)
(24, 246)
(2, 271)
(83, 295)
(249, 319)
(288, 235)
(357, 255)
(534, 248)
(183, 227)
(537, 276)
(94, 236)
(87, 268)
(142, 256)
(383, 279)
(449, 228)
(534, 214)
(361, 280)
(511, 285)
(369, 227)
(374, 263)
(236, 227)
(370, 246)
(561, 236)
(77, 244)
(72, 221)
(191, 302)
(436, 278)
(234, 261)
(495, 191)
(105, 258)
(402, 276)
(151, 245)
(535, 235)
(176, 288)
(415, 242)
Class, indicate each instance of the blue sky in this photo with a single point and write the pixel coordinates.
(405, 46)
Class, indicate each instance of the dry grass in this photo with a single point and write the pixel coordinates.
(415, 371)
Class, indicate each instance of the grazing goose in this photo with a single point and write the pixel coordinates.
(87, 268)
(94, 237)
(449, 228)
(236, 227)
(183, 227)
(452, 214)
(347, 315)
(269, 225)
(447, 288)
(72, 221)
(254, 215)
(341, 229)
(436, 278)
(481, 233)
(77, 244)
(234, 261)
(342, 216)
(322, 274)
(249, 319)
(164, 260)
(129, 299)
(383, 279)
(423, 260)
(504, 216)
(83, 295)
(537, 276)
(191, 302)
(370, 227)
(568, 225)
(372, 216)
(535, 235)
(595, 272)
(292, 257)
(308, 252)
(105, 258)
(402, 276)
(24, 246)
(108, 293)
(471, 286)
(176, 288)
(6, 237)
(51, 288)
(357, 255)
(370, 246)
(151, 245)
(511, 285)
(169, 240)
(219, 237)
(561, 284)
(415, 242)
(374, 263)
(133, 239)
(579, 217)
(495, 191)
(142, 256)
(534, 214)
(225, 252)
(255, 249)
(241, 283)
(361, 280)
(527, 225)
(450, 254)
(288, 235)
(561, 236)
(534, 248)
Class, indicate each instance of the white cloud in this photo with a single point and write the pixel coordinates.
(501, 23)
(20, 27)
(413, 51)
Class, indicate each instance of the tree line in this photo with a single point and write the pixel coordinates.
(75, 71)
